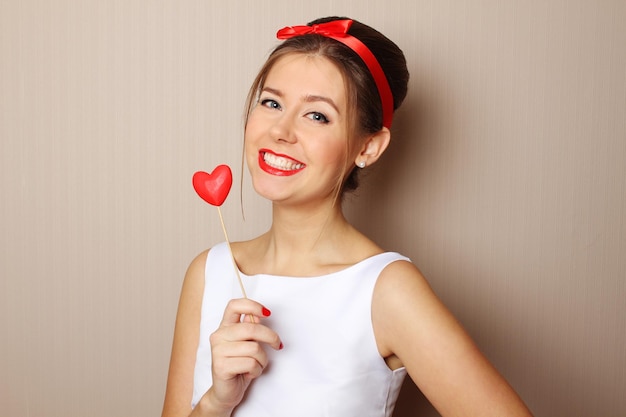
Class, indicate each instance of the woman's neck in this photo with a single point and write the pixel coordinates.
(305, 243)
(306, 231)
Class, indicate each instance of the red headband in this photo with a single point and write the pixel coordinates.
(338, 30)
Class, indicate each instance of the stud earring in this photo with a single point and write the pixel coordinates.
(362, 164)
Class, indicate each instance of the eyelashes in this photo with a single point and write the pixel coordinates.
(314, 116)
(318, 117)
(269, 103)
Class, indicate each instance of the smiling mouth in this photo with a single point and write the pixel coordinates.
(279, 164)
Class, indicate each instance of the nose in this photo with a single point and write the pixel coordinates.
(283, 129)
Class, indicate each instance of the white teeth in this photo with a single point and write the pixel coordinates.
(280, 162)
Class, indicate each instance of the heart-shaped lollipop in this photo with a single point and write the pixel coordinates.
(214, 187)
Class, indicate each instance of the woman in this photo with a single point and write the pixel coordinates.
(348, 320)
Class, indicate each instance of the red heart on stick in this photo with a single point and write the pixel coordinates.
(214, 187)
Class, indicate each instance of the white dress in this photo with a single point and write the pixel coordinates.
(330, 365)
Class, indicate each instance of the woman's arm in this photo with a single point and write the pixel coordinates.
(186, 335)
(411, 323)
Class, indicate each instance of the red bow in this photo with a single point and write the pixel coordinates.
(335, 28)
(338, 30)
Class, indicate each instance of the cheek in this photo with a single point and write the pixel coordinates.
(333, 153)
(249, 129)
(249, 151)
(254, 122)
(248, 147)
(251, 132)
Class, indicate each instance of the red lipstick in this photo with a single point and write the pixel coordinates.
(278, 164)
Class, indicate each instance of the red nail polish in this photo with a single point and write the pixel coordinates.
(266, 312)
(281, 346)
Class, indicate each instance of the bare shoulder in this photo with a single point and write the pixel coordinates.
(401, 294)
(190, 302)
(195, 271)
(193, 285)
(413, 327)
(399, 276)
(402, 287)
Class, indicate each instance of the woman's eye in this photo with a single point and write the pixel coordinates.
(272, 104)
(318, 117)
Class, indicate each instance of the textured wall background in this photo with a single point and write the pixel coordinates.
(506, 184)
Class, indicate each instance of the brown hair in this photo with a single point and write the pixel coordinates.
(364, 103)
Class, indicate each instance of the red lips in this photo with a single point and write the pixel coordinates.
(282, 172)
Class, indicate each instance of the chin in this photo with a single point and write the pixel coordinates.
(272, 192)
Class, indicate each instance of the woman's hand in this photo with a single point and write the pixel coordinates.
(237, 351)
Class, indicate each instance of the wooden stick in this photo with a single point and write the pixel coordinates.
(232, 257)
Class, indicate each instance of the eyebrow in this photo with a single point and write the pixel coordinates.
(309, 98)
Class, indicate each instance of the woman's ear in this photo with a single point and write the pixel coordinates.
(373, 148)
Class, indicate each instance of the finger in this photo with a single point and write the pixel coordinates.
(253, 332)
(245, 349)
(230, 368)
(252, 310)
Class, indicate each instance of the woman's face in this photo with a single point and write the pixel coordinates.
(296, 135)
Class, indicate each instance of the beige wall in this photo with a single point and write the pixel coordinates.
(506, 184)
